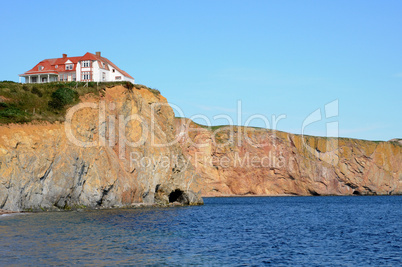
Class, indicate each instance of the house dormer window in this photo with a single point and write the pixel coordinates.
(69, 66)
(56, 66)
(40, 67)
(86, 64)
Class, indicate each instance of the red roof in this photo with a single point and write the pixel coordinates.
(57, 65)
(88, 56)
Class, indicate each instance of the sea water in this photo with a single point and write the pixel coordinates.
(311, 231)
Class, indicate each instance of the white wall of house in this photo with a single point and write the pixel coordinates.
(103, 74)
(78, 71)
(115, 74)
(108, 74)
(95, 72)
(100, 74)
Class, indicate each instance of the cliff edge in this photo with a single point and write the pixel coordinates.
(102, 155)
(251, 161)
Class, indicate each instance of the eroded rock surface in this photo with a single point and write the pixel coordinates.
(248, 161)
(107, 163)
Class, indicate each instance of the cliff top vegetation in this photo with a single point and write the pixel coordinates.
(21, 103)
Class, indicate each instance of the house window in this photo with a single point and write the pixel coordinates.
(69, 67)
(113, 70)
(34, 79)
(103, 76)
(40, 67)
(63, 77)
(86, 64)
(85, 75)
(56, 66)
(118, 77)
(74, 78)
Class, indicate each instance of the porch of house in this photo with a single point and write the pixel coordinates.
(41, 78)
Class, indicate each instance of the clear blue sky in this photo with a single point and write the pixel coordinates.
(277, 57)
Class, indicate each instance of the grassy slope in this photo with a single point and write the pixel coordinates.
(21, 103)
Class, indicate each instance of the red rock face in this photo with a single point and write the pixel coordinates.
(248, 161)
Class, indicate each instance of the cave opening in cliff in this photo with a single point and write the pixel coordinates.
(175, 195)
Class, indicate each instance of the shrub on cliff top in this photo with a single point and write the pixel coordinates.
(36, 91)
(62, 97)
(11, 113)
(129, 85)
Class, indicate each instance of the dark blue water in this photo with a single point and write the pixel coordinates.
(225, 231)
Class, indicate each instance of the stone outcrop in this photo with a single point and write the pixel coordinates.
(249, 161)
(103, 155)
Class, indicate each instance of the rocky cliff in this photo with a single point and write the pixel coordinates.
(109, 152)
(120, 149)
(249, 161)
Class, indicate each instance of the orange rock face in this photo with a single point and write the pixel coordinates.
(248, 161)
(103, 155)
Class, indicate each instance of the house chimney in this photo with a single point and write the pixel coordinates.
(98, 54)
(64, 55)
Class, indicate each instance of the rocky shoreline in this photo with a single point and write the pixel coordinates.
(132, 206)
(3, 212)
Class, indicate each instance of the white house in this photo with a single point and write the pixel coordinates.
(87, 68)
